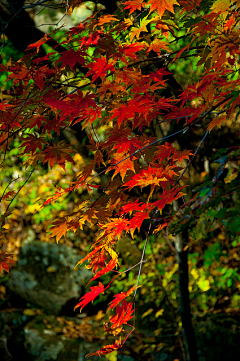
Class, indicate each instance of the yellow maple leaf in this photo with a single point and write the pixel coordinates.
(135, 31)
(221, 6)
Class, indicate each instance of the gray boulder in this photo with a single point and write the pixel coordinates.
(45, 275)
(55, 343)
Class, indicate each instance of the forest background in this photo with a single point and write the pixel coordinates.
(119, 140)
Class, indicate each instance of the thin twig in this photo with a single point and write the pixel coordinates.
(20, 189)
(13, 180)
(190, 162)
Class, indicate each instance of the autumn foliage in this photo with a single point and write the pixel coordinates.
(118, 66)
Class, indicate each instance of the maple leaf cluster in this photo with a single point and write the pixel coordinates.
(119, 76)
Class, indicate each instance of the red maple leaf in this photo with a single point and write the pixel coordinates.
(123, 314)
(63, 105)
(44, 58)
(57, 154)
(90, 40)
(71, 57)
(112, 263)
(167, 197)
(164, 151)
(4, 261)
(119, 297)
(42, 73)
(90, 296)
(131, 207)
(157, 76)
(100, 68)
(131, 49)
(125, 144)
(137, 220)
(57, 195)
(8, 195)
(32, 142)
(140, 104)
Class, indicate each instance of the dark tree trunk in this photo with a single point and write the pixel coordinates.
(184, 299)
(20, 29)
(185, 310)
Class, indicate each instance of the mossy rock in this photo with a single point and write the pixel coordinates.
(45, 275)
(46, 340)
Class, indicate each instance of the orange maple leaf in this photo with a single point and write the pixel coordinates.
(162, 5)
(229, 23)
(153, 176)
(38, 43)
(105, 20)
(90, 296)
(158, 45)
(122, 167)
(160, 227)
(96, 258)
(217, 122)
(107, 349)
(116, 226)
(98, 261)
(59, 229)
(133, 5)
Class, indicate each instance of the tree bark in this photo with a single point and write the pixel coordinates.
(185, 309)
(184, 299)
